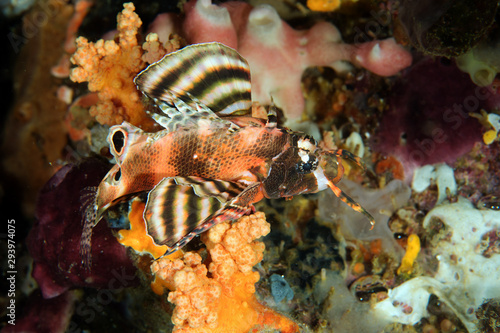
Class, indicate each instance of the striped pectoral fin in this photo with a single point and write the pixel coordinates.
(180, 206)
(211, 73)
(234, 209)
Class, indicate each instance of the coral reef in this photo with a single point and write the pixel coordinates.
(226, 301)
(431, 262)
(480, 65)
(136, 237)
(280, 289)
(412, 250)
(441, 175)
(389, 168)
(109, 67)
(461, 239)
(155, 48)
(278, 54)
(481, 62)
(491, 122)
(477, 174)
(14, 8)
(323, 5)
(428, 120)
(489, 316)
(54, 240)
(62, 69)
(381, 203)
(344, 311)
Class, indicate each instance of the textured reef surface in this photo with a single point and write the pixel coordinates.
(411, 87)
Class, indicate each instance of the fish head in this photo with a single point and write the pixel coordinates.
(125, 142)
(96, 200)
(295, 171)
(303, 167)
(108, 191)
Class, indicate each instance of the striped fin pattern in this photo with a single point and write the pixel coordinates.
(231, 211)
(227, 213)
(183, 115)
(179, 205)
(211, 73)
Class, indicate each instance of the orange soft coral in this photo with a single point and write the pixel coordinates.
(155, 49)
(225, 302)
(233, 249)
(196, 295)
(136, 237)
(110, 67)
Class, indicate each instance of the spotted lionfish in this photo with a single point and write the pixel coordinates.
(212, 161)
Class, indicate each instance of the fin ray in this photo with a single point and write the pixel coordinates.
(182, 115)
(233, 209)
(179, 205)
(211, 73)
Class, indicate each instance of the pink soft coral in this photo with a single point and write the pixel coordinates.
(278, 54)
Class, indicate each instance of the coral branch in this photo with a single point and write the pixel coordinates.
(224, 302)
(109, 67)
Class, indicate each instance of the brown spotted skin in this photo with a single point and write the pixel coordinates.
(207, 151)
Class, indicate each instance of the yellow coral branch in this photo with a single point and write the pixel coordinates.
(412, 251)
(323, 5)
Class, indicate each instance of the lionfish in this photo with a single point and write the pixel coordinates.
(212, 161)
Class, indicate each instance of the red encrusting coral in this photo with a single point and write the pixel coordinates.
(428, 120)
(54, 240)
(390, 165)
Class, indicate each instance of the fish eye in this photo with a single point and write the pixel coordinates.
(118, 175)
(118, 141)
(309, 166)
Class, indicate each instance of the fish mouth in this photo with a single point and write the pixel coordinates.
(100, 212)
(101, 208)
